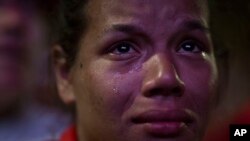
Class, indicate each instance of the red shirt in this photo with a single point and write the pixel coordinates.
(220, 132)
(69, 134)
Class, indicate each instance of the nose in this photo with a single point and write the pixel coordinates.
(161, 77)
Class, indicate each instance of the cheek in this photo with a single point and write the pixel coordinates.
(200, 79)
(107, 90)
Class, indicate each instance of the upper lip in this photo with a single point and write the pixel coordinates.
(159, 116)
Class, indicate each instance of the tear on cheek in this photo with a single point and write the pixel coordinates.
(205, 56)
(116, 82)
(135, 68)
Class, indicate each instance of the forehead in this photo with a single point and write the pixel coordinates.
(154, 17)
(148, 14)
(154, 8)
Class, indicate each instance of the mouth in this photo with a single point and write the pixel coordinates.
(161, 123)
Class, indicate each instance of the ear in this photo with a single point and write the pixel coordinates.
(62, 75)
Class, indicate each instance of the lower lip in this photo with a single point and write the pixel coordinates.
(164, 129)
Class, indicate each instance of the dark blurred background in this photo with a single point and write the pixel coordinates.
(230, 21)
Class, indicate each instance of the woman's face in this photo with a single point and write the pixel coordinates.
(145, 71)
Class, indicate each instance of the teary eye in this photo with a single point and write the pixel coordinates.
(123, 48)
(190, 46)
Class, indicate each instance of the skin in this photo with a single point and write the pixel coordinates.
(134, 59)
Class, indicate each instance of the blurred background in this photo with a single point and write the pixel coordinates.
(30, 109)
(230, 21)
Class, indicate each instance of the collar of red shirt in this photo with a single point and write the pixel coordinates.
(69, 134)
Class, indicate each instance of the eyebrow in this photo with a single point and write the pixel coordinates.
(138, 31)
(126, 28)
(129, 29)
(195, 25)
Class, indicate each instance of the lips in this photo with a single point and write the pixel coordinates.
(164, 123)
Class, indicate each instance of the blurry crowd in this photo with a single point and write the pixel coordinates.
(30, 109)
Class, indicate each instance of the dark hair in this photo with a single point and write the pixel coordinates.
(72, 24)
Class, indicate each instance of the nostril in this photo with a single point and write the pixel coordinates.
(156, 91)
(175, 91)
